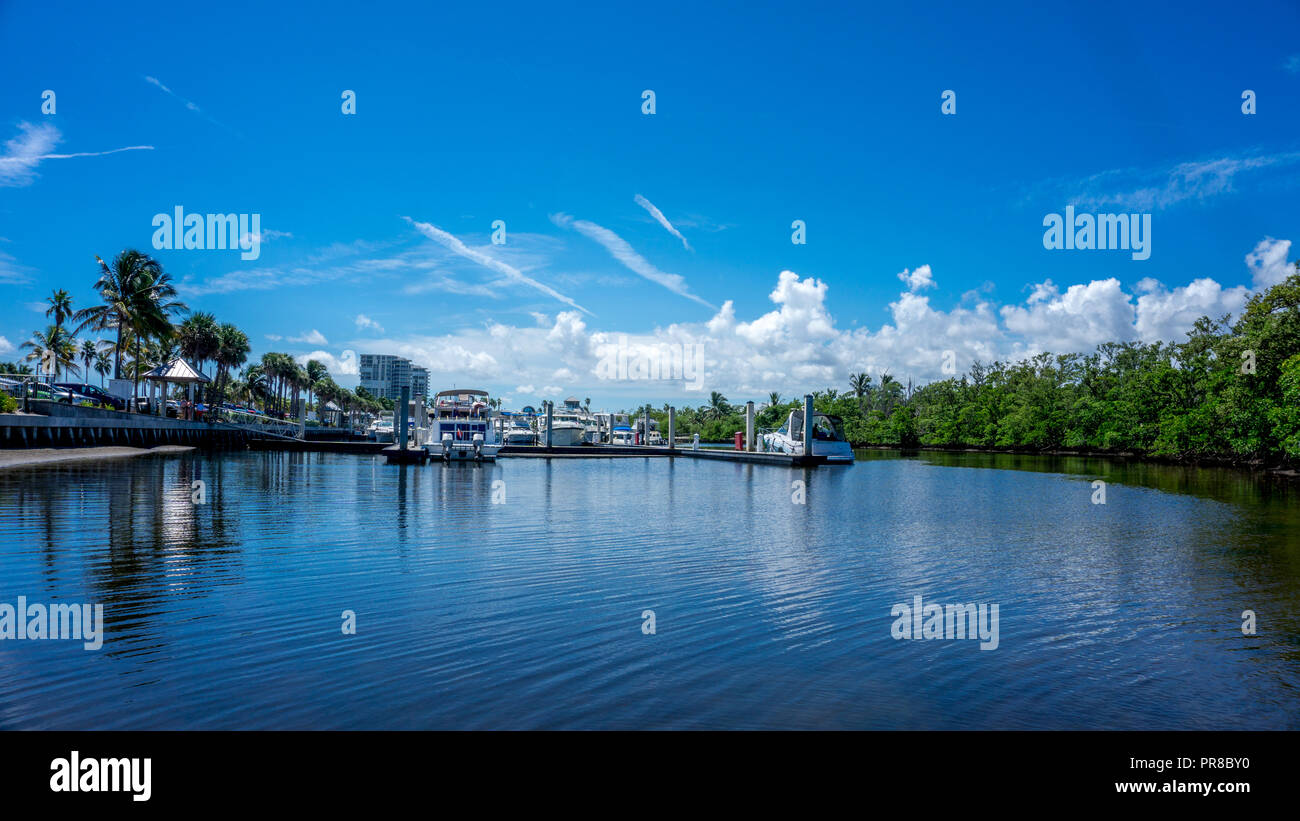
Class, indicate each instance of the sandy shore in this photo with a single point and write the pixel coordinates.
(45, 456)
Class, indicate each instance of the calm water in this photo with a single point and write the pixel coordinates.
(768, 614)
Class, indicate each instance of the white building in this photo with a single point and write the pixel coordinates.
(385, 375)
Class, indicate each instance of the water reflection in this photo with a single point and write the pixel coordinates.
(772, 589)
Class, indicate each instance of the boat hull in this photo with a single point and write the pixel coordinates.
(565, 437)
(463, 452)
(833, 452)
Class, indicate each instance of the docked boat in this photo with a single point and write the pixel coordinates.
(573, 411)
(381, 430)
(641, 436)
(828, 440)
(461, 427)
(519, 432)
(567, 429)
(622, 435)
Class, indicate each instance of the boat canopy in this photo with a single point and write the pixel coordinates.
(461, 392)
(825, 426)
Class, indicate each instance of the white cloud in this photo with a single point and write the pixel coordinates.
(33, 145)
(189, 104)
(312, 337)
(11, 271)
(364, 322)
(1150, 189)
(619, 249)
(5, 346)
(1169, 314)
(452, 243)
(1078, 320)
(1268, 262)
(345, 364)
(796, 345)
(917, 280)
(265, 236)
(661, 219)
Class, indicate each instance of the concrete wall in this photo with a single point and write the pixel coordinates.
(108, 428)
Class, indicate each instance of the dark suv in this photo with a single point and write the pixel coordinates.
(95, 394)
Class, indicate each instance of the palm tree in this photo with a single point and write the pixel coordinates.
(271, 370)
(88, 354)
(232, 351)
(151, 313)
(860, 385)
(53, 348)
(60, 309)
(890, 392)
(60, 306)
(773, 399)
(256, 384)
(316, 371)
(199, 338)
(103, 365)
(138, 299)
(718, 406)
(116, 287)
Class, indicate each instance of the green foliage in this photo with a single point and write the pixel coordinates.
(7, 403)
(1227, 392)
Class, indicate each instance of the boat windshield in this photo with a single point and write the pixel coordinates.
(825, 427)
(828, 428)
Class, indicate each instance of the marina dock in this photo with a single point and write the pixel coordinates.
(624, 451)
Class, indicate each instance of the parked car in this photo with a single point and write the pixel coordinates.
(43, 390)
(95, 394)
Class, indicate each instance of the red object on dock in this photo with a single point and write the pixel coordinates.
(740, 440)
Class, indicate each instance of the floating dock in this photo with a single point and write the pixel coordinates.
(623, 451)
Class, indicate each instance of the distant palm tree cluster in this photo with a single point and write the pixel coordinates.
(141, 317)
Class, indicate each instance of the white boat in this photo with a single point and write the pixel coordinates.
(622, 435)
(654, 437)
(567, 429)
(519, 432)
(461, 427)
(573, 411)
(381, 430)
(828, 440)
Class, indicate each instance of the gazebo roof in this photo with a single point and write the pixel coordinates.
(178, 370)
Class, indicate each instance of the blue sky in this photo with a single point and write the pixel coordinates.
(376, 226)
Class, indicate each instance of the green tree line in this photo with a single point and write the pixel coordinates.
(1228, 391)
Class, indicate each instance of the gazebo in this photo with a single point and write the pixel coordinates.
(177, 371)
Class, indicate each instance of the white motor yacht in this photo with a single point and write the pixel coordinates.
(381, 430)
(519, 432)
(828, 440)
(567, 429)
(461, 427)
